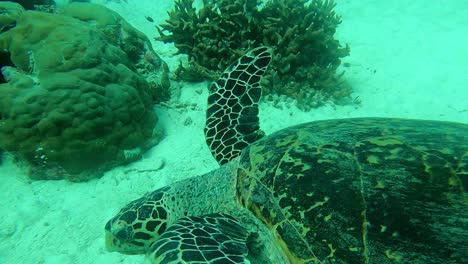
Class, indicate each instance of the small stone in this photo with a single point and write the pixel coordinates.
(159, 164)
(188, 121)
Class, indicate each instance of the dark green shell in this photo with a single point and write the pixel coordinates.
(367, 190)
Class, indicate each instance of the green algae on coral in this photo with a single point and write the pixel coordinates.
(300, 32)
(31, 4)
(75, 102)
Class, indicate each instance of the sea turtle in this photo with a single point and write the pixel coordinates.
(361, 190)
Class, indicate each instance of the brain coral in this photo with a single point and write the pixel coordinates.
(73, 102)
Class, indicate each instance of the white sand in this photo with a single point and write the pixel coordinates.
(408, 59)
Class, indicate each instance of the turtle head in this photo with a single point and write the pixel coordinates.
(138, 225)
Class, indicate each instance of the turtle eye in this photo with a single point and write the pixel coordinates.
(123, 234)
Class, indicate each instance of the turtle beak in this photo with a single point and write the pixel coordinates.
(113, 244)
(110, 246)
(109, 238)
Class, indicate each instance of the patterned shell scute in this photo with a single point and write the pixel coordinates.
(360, 190)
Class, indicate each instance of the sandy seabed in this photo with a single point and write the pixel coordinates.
(408, 59)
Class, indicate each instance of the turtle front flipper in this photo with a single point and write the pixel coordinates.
(232, 116)
(213, 238)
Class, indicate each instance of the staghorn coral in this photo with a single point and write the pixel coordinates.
(73, 102)
(300, 32)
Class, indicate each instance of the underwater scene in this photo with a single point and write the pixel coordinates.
(233, 131)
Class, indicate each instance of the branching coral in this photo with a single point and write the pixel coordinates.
(300, 32)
